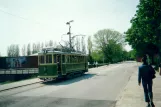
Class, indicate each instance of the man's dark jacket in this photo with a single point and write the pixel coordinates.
(146, 73)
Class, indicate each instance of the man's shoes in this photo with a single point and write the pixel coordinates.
(152, 104)
(148, 105)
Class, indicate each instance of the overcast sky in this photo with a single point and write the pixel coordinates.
(28, 21)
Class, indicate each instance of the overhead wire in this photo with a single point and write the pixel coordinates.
(18, 16)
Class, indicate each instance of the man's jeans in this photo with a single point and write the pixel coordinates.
(147, 86)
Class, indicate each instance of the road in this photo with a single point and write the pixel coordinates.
(100, 87)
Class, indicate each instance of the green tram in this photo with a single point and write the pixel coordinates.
(58, 64)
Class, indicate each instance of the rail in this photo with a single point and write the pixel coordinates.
(19, 71)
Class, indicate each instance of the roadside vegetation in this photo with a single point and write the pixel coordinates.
(107, 46)
(145, 33)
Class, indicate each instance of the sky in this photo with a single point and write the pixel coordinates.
(33, 21)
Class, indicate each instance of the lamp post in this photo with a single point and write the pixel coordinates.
(69, 33)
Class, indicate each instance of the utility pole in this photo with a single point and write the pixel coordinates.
(69, 33)
(70, 37)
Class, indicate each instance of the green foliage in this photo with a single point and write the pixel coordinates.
(132, 55)
(36, 47)
(98, 56)
(13, 51)
(145, 32)
(28, 50)
(113, 51)
(90, 59)
(110, 43)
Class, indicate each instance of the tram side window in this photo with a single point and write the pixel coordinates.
(70, 59)
(54, 56)
(78, 59)
(83, 59)
(73, 59)
(66, 59)
(48, 58)
(63, 58)
(41, 59)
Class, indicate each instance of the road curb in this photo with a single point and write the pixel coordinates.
(19, 86)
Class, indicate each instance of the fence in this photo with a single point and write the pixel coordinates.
(19, 71)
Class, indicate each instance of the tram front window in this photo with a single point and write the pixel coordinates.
(48, 58)
(41, 59)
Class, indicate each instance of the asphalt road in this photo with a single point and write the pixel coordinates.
(100, 87)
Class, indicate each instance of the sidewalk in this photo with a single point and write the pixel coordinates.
(19, 84)
(133, 95)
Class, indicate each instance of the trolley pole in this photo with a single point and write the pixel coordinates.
(70, 42)
(69, 33)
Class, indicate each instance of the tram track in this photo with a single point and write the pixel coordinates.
(16, 87)
(25, 85)
(6, 93)
(23, 88)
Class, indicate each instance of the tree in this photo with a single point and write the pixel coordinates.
(38, 47)
(145, 32)
(13, 51)
(28, 50)
(46, 44)
(90, 59)
(97, 55)
(83, 46)
(17, 51)
(113, 51)
(111, 43)
(9, 51)
(34, 50)
(77, 44)
(132, 54)
(24, 50)
(50, 43)
(89, 45)
(42, 45)
(55, 44)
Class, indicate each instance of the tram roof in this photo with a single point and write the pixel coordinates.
(51, 50)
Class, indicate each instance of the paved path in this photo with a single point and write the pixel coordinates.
(100, 87)
(133, 95)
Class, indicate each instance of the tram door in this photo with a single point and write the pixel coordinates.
(59, 64)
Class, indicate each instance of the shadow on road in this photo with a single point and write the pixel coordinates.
(69, 81)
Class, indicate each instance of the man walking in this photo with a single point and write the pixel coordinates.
(145, 74)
